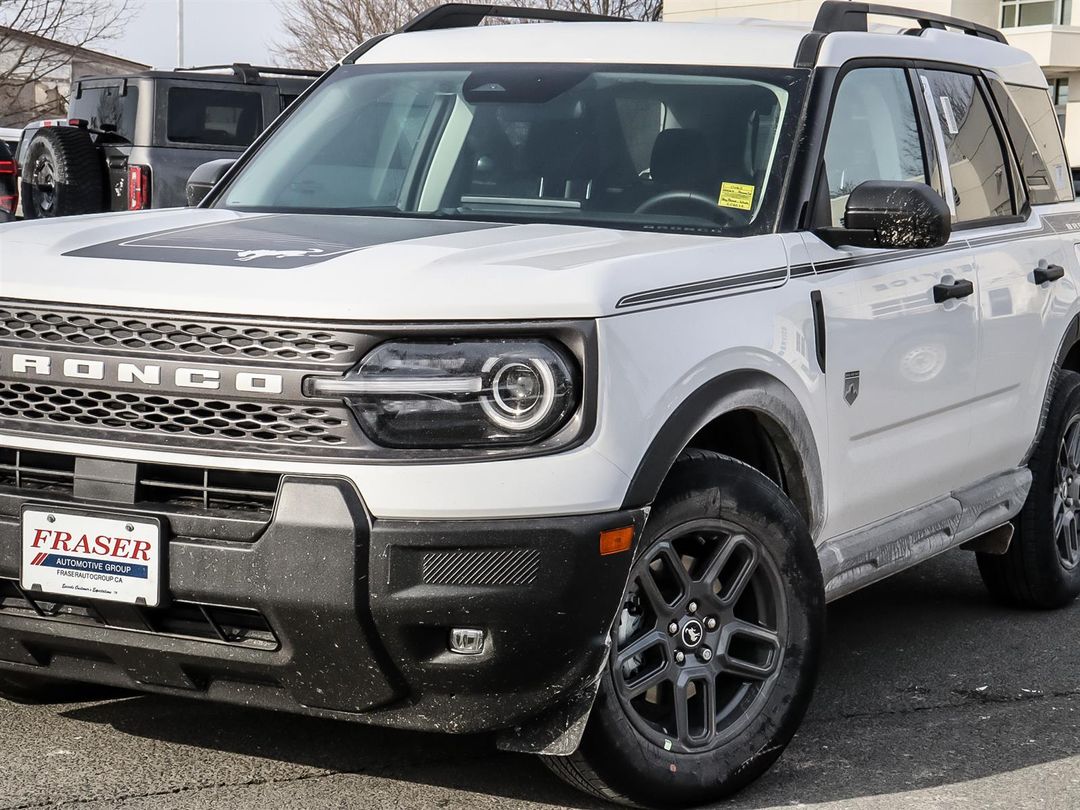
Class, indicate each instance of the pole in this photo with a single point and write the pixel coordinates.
(180, 33)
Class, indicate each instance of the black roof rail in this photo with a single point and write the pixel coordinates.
(843, 15)
(252, 73)
(469, 15)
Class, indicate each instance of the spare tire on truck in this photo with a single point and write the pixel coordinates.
(63, 175)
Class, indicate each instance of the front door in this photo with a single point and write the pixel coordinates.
(901, 357)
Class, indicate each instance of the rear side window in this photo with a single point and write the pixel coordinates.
(108, 108)
(873, 134)
(1033, 130)
(977, 160)
(211, 117)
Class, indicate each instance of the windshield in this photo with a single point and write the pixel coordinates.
(681, 149)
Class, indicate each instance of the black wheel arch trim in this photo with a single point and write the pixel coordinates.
(1069, 341)
(748, 390)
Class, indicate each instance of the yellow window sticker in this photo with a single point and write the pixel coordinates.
(737, 195)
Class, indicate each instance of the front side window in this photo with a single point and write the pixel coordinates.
(873, 134)
(669, 149)
(202, 116)
(1033, 129)
(977, 159)
(1035, 12)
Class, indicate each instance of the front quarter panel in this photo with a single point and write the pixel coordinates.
(660, 358)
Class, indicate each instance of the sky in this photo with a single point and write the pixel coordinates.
(216, 32)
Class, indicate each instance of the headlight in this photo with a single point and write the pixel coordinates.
(468, 393)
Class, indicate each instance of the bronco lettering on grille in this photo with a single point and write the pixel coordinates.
(48, 366)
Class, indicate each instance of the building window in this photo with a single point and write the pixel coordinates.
(1035, 12)
(1059, 92)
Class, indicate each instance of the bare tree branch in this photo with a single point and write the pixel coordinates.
(320, 32)
(38, 40)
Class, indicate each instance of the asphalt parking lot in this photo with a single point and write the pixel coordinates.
(931, 697)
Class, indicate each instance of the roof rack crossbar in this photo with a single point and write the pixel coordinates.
(468, 15)
(251, 73)
(843, 15)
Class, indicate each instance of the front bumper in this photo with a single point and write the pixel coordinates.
(326, 611)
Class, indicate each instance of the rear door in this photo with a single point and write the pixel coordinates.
(901, 367)
(1014, 250)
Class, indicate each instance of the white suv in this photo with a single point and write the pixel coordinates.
(549, 380)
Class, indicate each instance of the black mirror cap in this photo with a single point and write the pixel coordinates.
(895, 214)
(204, 178)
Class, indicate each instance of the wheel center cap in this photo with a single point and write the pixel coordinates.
(692, 633)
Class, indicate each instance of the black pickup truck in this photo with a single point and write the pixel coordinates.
(130, 142)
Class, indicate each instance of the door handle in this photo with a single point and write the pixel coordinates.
(1052, 272)
(961, 288)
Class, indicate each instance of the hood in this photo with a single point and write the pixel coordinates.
(364, 268)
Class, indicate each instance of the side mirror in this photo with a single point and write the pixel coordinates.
(204, 178)
(892, 214)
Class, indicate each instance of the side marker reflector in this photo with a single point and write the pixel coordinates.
(616, 541)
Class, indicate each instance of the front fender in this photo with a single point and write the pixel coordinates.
(738, 390)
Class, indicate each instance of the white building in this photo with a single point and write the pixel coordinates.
(1048, 29)
(36, 74)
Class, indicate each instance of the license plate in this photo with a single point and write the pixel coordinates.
(115, 559)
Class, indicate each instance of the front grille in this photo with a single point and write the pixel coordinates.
(39, 472)
(58, 328)
(227, 420)
(239, 627)
(170, 488)
(284, 428)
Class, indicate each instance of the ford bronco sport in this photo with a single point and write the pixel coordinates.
(549, 380)
(131, 142)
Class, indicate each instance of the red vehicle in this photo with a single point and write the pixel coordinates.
(9, 185)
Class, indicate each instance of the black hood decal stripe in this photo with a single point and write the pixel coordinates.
(274, 241)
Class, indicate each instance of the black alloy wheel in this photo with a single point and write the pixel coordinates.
(701, 635)
(715, 647)
(1067, 496)
(42, 186)
(1041, 568)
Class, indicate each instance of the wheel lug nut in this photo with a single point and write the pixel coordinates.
(706, 654)
(710, 623)
(673, 628)
(692, 607)
(680, 656)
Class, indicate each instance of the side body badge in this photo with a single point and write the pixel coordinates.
(851, 387)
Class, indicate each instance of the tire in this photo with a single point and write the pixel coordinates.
(63, 175)
(1041, 569)
(750, 569)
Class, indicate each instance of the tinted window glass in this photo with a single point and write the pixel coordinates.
(213, 117)
(108, 108)
(873, 135)
(1033, 129)
(977, 163)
